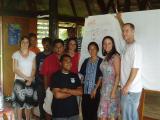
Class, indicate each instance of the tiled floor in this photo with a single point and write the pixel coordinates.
(151, 108)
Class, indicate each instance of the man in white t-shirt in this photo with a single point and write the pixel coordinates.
(131, 64)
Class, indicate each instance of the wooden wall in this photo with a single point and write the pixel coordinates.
(1, 82)
(27, 25)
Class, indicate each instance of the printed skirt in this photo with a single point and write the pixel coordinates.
(24, 96)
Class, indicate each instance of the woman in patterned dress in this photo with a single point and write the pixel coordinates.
(110, 67)
(24, 68)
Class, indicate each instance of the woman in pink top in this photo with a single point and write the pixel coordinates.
(72, 50)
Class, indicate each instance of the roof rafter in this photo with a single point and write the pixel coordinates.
(88, 7)
(73, 8)
(32, 5)
(150, 4)
(105, 8)
(127, 6)
(5, 12)
(1, 4)
(101, 5)
(142, 4)
(110, 4)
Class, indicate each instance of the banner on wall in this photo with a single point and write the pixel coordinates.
(14, 33)
(147, 34)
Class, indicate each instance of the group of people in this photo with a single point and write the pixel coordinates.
(109, 86)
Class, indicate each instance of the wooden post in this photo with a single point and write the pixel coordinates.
(88, 7)
(1, 52)
(53, 19)
(142, 101)
(141, 105)
(73, 8)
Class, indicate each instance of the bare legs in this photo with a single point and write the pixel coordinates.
(27, 113)
(19, 114)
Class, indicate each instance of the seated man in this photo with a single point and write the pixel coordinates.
(65, 87)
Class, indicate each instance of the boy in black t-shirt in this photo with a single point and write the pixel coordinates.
(65, 87)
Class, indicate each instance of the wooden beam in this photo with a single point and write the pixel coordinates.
(141, 105)
(150, 4)
(145, 4)
(71, 19)
(114, 6)
(138, 3)
(101, 5)
(105, 8)
(4, 12)
(88, 7)
(7, 12)
(109, 5)
(142, 4)
(73, 8)
(127, 6)
(44, 12)
(32, 5)
(79, 20)
(1, 4)
(53, 19)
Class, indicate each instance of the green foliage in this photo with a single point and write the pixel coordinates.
(63, 33)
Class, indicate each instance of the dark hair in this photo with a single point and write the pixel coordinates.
(130, 24)
(64, 56)
(95, 44)
(30, 35)
(22, 38)
(47, 39)
(112, 52)
(68, 41)
(57, 41)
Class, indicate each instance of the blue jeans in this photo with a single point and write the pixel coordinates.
(129, 106)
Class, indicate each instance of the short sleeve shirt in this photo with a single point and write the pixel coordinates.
(39, 61)
(75, 61)
(24, 63)
(132, 58)
(65, 107)
(50, 65)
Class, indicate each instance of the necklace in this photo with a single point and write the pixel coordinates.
(93, 60)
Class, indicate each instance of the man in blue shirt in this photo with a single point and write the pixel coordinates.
(46, 42)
